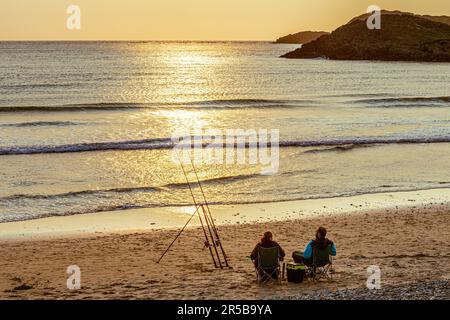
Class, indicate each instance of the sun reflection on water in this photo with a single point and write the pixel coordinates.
(185, 121)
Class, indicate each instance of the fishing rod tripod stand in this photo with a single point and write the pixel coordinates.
(202, 210)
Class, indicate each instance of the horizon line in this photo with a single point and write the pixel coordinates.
(134, 40)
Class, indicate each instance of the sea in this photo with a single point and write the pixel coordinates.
(87, 127)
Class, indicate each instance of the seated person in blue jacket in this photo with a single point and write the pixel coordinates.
(321, 241)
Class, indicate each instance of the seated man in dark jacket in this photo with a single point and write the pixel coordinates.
(266, 242)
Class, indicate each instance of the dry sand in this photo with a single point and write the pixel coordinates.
(410, 245)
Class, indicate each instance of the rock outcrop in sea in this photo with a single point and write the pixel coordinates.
(402, 37)
(302, 37)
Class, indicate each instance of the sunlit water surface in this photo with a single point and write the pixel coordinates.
(87, 127)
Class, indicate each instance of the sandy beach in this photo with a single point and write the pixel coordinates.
(409, 242)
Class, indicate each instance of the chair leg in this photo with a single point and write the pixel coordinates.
(323, 272)
(319, 274)
(258, 277)
(331, 272)
(262, 276)
(314, 273)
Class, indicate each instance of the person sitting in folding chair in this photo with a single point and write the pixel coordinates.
(318, 256)
(266, 256)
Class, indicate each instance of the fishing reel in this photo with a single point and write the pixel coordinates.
(217, 243)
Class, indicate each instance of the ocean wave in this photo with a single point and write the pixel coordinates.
(144, 144)
(235, 104)
(357, 95)
(167, 143)
(339, 148)
(212, 181)
(207, 104)
(245, 102)
(115, 191)
(38, 85)
(73, 107)
(77, 193)
(407, 101)
(348, 144)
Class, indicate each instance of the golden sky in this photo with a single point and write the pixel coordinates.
(189, 19)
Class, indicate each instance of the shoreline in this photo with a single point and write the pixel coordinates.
(166, 218)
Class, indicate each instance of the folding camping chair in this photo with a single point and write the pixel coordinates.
(268, 265)
(322, 265)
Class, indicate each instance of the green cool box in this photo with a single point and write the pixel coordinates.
(295, 273)
(295, 267)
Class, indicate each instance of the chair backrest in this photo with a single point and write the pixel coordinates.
(321, 256)
(268, 257)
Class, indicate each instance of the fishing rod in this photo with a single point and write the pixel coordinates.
(211, 216)
(212, 236)
(207, 222)
(179, 234)
(207, 244)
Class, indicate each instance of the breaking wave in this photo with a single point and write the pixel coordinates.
(41, 124)
(209, 104)
(406, 102)
(115, 191)
(167, 143)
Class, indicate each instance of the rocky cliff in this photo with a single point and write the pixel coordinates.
(402, 37)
